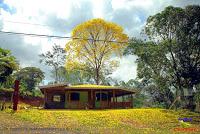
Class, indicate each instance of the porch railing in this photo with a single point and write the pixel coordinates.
(103, 104)
(120, 104)
(77, 104)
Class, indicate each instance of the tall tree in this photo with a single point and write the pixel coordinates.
(30, 77)
(8, 64)
(171, 57)
(153, 69)
(93, 44)
(55, 59)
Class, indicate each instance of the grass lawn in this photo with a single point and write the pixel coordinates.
(123, 121)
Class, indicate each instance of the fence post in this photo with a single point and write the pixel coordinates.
(16, 95)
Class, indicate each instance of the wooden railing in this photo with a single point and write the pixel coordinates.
(77, 105)
(120, 104)
(106, 104)
(103, 104)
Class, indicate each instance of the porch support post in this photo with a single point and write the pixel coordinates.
(100, 99)
(107, 100)
(113, 97)
(92, 99)
(66, 98)
(69, 94)
(123, 101)
(45, 98)
(131, 100)
(89, 98)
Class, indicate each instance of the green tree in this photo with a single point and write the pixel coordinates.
(170, 57)
(97, 41)
(55, 59)
(30, 77)
(61, 74)
(8, 64)
(153, 69)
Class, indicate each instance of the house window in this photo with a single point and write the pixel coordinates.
(75, 97)
(56, 98)
(104, 96)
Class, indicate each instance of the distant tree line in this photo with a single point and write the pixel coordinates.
(10, 70)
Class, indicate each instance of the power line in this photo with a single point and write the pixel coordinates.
(54, 36)
(27, 23)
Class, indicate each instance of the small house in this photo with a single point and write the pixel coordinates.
(64, 96)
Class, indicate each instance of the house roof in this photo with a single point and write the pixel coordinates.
(84, 87)
(54, 85)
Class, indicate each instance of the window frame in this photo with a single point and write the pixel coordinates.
(74, 93)
(57, 95)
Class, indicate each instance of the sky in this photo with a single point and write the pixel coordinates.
(59, 17)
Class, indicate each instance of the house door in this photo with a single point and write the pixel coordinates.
(101, 100)
(97, 100)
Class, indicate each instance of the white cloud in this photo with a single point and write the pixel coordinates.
(63, 15)
(127, 69)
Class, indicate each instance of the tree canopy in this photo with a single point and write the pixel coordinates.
(30, 77)
(93, 44)
(8, 64)
(170, 58)
(55, 59)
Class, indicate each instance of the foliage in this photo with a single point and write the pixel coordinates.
(139, 100)
(61, 74)
(97, 41)
(29, 77)
(9, 81)
(169, 59)
(34, 93)
(8, 64)
(78, 77)
(178, 30)
(72, 76)
(54, 59)
(135, 121)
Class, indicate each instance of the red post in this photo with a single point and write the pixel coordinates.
(16, 95)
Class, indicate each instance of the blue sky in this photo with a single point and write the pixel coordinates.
(60, 17)
(5, 7)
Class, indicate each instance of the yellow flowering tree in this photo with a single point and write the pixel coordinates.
(92, 45)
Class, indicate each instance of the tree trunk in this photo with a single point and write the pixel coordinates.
(97, 76)
(56, 74)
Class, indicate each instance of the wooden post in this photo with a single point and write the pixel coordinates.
(131, 100)
(45, 98)
(89, 99)
(100, 98)
(107, 99)
(123, 101)
(66, 99)
(69, 99)
(92, 100)
(113, 97)
(16, 95)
